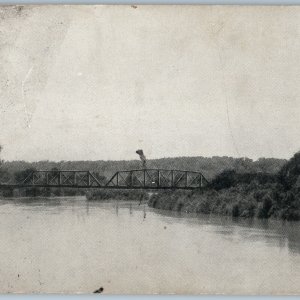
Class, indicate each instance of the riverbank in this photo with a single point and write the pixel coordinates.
(247, 195)
(247, 200)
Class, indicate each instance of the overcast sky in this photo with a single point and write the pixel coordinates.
(89, 83)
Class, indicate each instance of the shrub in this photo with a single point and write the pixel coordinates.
(224, 180)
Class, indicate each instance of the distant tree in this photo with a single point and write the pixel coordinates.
(209, 166)
(4, 174)
(224, 180)
(289, 173)
(1, 161)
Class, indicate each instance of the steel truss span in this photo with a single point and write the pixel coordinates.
(128, 179)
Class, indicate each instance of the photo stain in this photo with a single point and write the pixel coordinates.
(19, 8)
(99, 291)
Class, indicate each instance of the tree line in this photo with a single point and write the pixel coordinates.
(209, 166)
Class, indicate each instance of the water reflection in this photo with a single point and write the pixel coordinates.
(32, 203)
(272, 232)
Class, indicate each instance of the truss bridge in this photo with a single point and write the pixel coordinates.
(128, 179)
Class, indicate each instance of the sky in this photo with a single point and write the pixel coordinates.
(100, 82)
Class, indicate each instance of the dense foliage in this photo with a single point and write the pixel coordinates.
(209, 166)
(260, 195)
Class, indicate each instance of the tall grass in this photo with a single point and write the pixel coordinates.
(245, 200)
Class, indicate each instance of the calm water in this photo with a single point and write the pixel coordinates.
(72, 245)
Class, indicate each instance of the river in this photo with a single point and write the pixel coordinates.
(70, 244)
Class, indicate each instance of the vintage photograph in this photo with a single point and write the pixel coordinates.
(149, 149)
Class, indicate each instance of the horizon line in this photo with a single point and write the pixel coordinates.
(149, 159)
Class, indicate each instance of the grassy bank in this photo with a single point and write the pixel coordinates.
(247, 200)
(247, 195)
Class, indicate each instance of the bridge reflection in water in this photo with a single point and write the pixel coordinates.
(128, 179)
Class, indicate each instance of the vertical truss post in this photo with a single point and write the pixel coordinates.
(47, 178)
(158, 178)
(117, 178)
(130, 179)
(186, 179)
(172, 178)
(59, 177)
(74, 175)
(144, 179)
(88, 179)
(201, 180)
